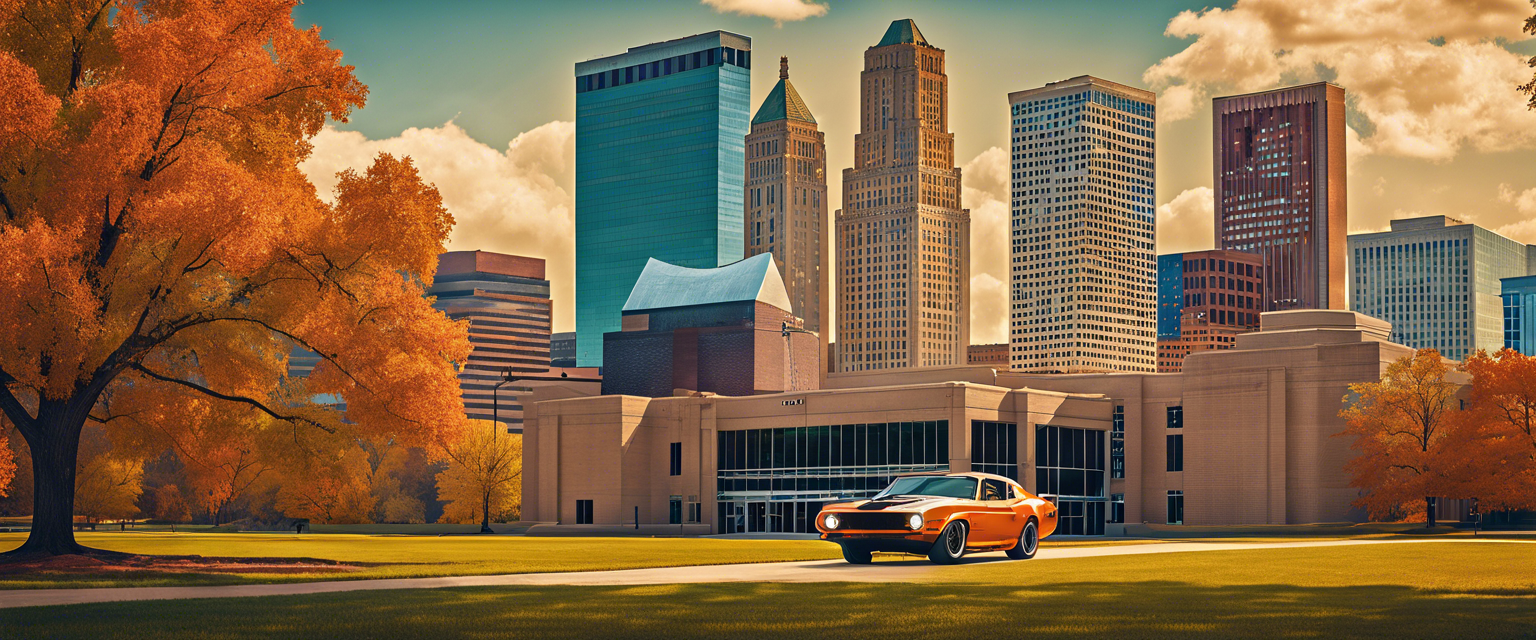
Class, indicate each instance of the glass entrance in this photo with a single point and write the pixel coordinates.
(757, 513)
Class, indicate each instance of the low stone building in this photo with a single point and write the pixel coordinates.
(1241, 436)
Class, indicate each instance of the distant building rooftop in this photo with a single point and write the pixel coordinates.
(663, 285)
(903, 32)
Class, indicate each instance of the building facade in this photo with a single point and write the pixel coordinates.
(1170, 294)
(903, 242)
(1437, 280)
(726, 330)
(659, 168)
(1280, 190)
(1519, 297)
(989, 354)
(1242, 436)
(1217, 297)
(562, 349)
(505, 300)
(1082, 234)
(786, 210)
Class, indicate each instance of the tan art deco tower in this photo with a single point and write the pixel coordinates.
(786, 200)
(903, 242)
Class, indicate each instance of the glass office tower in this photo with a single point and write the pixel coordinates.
(660, 131)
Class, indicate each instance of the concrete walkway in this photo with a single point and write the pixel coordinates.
(811, 571)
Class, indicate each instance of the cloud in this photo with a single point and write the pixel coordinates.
(1426, 77)
(514, 201)
(779, 11)
(985, 192)
(1523, 230)
(1187, 222)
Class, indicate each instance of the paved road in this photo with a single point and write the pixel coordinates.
(812, 571)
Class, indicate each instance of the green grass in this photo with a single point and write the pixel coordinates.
(1434, 589)
(413, 556)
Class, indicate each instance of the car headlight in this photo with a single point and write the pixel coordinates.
(915, 521)
(831, 521)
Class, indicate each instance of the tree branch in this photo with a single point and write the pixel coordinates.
(260, 406)
(15, 411)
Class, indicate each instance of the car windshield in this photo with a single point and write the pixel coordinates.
(942, 486)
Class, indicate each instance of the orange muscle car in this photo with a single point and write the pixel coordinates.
(943, 516)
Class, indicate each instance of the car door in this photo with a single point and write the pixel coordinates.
(996, 520)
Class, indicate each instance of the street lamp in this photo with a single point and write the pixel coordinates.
(506, 378)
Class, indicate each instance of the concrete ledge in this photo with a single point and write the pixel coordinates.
(616, 530)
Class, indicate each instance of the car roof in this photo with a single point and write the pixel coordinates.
(970, 474)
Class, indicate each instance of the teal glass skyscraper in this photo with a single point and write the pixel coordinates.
(660, 133)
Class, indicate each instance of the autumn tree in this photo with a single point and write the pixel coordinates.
(1530, 87)
(170, 505)
(7, 465)
(333, 491)
(484, 475)
(1402, 426)
(108, 480)
(156, 235)
(1502, 453)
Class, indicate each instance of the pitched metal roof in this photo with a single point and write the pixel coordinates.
(902, 32)
(663, 285)
(783, 103)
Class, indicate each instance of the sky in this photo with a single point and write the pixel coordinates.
(482, 96)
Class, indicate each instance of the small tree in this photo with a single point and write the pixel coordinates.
(170, 506)
(484, 475)
(1503, 412)
(108, 481)
(1401, 425)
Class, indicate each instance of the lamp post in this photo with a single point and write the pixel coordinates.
(506, 378)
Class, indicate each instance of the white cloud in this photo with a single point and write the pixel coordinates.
(779, 11)
(985, 192)
(1431, 77)
(1187, 222)
(1523, 230)
(514, 201)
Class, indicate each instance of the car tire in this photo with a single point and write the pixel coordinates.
(950, 545)
(1028, 544)
(857, 555)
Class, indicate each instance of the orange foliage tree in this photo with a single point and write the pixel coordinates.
(157, 235)
(484, 475)
(1404, 430)
(1503, 412)
(7, 465)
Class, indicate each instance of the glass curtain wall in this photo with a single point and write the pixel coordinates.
(1069, 471)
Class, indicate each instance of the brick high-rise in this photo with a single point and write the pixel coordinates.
(903, 242)
(1279, 165)
(786, 209)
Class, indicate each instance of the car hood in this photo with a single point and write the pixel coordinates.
(905, 503)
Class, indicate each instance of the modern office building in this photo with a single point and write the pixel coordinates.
(786, 212)
(1083, 267)
(1170, 294)
(659, 167)
(1519, 296)
(1280, 190)
(505, 300)
(562, 349)
(1217, 295)
(903, 242)
(1437, 280)
(1242, 436)
(991, 354)
(726, 330)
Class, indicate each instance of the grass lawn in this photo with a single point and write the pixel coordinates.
(1437, 589)
(411, 556)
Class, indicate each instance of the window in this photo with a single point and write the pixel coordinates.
(1175, 417)
(1117, 444)
(583, 512)
(994, 490)
(675, 467)
(1175, 507)
(995, 448)
(1176, 452)
(1117, 508)
(1070, 473)
(695, 511)
(675, 510)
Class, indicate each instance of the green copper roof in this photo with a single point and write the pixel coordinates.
(902, 32)
(783, 103)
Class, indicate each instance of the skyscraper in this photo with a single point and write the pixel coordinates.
(659, 162)
(505, 299)
(1437, 280)
(786, 208)
(1279, 164)
(1214, 296)
(1083, 267)
(903, 242)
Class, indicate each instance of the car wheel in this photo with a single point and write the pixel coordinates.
(950, 545)
(857, 555)
(1029, 542)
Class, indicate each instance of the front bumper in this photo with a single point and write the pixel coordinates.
(887, 542)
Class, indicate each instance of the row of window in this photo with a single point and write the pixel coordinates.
(662, 68)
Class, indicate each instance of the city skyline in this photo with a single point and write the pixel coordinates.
(1407, 160)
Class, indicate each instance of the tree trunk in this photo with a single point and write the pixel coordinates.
(54, 452)
(1429, 512)
(485, 512)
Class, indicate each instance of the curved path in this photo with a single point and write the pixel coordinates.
(809, 571)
